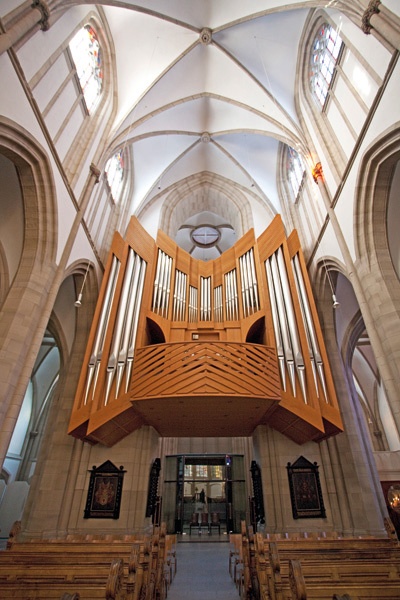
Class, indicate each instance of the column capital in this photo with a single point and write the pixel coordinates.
(45, 12)
(95, 171)
(372, 9)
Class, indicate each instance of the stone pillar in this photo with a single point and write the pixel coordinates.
(37, 18)
(379, 352)
(377, 17)
(32, 305)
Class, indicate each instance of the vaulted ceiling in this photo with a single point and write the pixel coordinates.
(205, 96)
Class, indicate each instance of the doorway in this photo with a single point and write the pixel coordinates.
(212, 485)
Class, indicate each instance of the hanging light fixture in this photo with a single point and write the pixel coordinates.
(78, 301)
(335, 302)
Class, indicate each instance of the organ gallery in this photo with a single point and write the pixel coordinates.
(197, 348)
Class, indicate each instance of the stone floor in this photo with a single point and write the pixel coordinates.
(203, 570)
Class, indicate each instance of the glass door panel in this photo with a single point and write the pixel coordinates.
(204, 485)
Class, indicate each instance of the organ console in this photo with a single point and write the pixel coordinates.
(197, 348)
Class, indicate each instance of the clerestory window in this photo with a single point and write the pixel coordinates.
(326, 51)
(295, 171)
(86, 54)
(115, 174)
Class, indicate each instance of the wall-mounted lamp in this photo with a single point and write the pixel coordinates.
(335, 302)
(78, 301)
(317, 172)
(394, 497)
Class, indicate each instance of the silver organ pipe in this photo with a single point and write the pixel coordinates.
(175, 300)
(209, 298)
(182, 295)
(315, 356)
(205, 298)
(179, 307)
(291, 319)
(228, 297)
(120, 323)
(167, 288)
(254, 279)
(283, 324)
(249, 283)
(98, 345)
(138, 294)
(162, 284)
(157, 280)
(126, 323)
(202, 299)
(231, 296)
(192, 304)
(245, 286)
(235, 295)
(218, 304)
(276, 324)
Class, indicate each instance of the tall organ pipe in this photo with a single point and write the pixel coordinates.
(254, 275)
(157, 280)
(287, 345)
(309, 326)
(120, 324)
(95, 358)
(123, 350)
(134, 325)
(276, 324)
(289, 309)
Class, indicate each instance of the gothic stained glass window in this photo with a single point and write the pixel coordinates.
(86, 53)
(115, 173)
(295, 171)
(325, 53)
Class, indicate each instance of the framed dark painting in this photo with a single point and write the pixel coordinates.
(305, 489)
(104, 493)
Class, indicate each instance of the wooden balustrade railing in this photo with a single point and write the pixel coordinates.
(236, 384)
(205, 368)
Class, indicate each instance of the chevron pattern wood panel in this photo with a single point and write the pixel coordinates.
(205, 369)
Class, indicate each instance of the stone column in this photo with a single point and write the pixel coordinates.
(37, 18)
(377, 17)
(39, 296)
(379, 352)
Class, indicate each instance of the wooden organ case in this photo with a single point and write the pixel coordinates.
(197, 348)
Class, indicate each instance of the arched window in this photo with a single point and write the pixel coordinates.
(326, 51)
(86, 54)
(295, 171)
(115, 174)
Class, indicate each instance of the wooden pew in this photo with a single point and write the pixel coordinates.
(361, 567)
(91, 566)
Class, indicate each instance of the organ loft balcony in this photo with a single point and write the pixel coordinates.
(210, 388)
(197, 348)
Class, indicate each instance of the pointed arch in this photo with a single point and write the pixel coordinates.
(38, 190)
(235, 208)
(373, 186)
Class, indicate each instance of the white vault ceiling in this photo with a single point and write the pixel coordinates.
(205, 87)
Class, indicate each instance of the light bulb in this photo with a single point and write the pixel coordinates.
(78, 302)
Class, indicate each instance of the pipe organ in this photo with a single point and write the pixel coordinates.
(198, 348)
